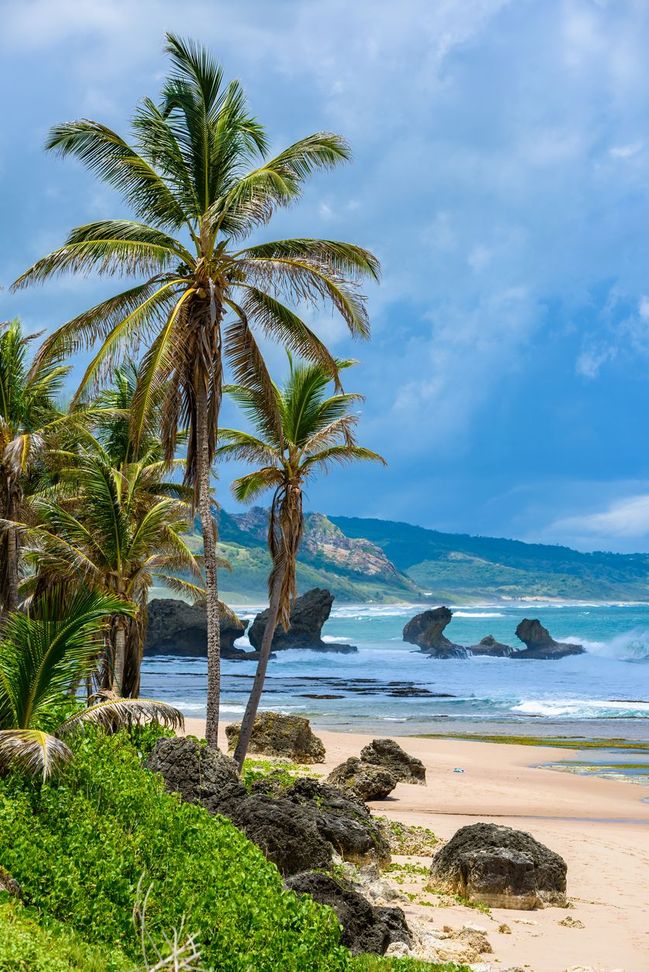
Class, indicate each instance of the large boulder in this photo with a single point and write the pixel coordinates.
(308, 615)
(177, 628)
(366, 781)
(389, 754)
(492, 648)
(365, 928)
(274, 734)
(540, 644)
(500, 867)
(426, 630)
(289, 837)
(199, 774)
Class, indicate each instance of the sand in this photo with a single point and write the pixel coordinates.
(600, 827)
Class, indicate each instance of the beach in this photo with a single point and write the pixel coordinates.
(599, 826)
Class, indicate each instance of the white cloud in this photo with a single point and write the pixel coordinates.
(625, 518)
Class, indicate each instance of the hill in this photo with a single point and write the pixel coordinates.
(385, 561)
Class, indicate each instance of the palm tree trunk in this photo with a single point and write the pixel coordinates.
(254, 699)
(11, 602)
(119, 658)
(211, 582)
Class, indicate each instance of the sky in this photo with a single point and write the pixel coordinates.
(501, 173)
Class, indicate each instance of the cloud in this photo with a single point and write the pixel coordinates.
(623, 519)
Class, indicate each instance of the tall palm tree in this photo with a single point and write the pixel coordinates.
(301, 431)
(197, 176)
(42, 658)
(28, 415)
(114, 529)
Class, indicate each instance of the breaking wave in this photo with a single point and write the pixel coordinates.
(583, 708)
(629, 646)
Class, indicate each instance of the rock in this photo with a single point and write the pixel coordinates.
(366, 781)
(500, 867)
(197, 773)
(288, 838)
(9, 885)
(308, 615)
(426, 631)
(364, 927)
(540, 644)
(569, 922)
(390, 755)
(274, 734)
(492, 648)
(177, 628)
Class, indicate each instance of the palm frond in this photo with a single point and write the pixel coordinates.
(115, 712)
(249, 487)
(32, 751)
(345, 259)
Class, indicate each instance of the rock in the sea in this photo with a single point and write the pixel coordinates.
(177, 628)
(500, 867)
(308, 616)
(9, 885)
(366, 781)
(274, 734)
(426, 631)
(365, 928)
(540, 644)
(390, 755)
(492, 648)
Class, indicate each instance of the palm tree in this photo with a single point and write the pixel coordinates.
(42, 658)
(198, 179)
(302, 431)
(114, 529)
(28, 415)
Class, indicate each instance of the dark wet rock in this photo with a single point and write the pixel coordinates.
(288, 837)
(308, 616)
(540, 644)
(9, 885)
(314, 695)
(500, 867)
(426, 631)
(199, 774)
(274, 734)
(364, 780)
(177, 628)
(492, 648)
(365, 928)
(390, 755)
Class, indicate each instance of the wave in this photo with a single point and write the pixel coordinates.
(583, 708)
(630, 646)
(478, 614)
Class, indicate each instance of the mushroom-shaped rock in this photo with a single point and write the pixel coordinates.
(177, 628)
(366, 781)
(274, 734)
(365, 928)
(390, 755)
(426, 631)
(308, 615)
(492, 648)
(500, 867)
(540, 644)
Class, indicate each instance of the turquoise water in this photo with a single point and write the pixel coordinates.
(389, 687)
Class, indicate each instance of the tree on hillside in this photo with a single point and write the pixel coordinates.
(198, 180)
(301, 430)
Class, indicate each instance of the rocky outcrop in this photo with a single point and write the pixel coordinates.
(299, 827)
(426, 630)
(274, 734)
(492, 648)
(500, 867)
(389, 754)
(366, 781)
(9, 885)
(177, 628)
(308, 616)
(540, 644)
(365, 928)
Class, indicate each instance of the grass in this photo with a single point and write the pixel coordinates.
(555, 742)
(372, 963)
(408, 840)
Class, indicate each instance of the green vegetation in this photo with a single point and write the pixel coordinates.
(409, 839)
(554, 742)
(372, 963)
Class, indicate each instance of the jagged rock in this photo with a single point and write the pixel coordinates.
(501, 867)
(9, 885)
(492, 648)
(289, 838)
(364, 927)
(390, 755)
(177, 628)
(426, 631)
(366, 781)
(274, 734)
(197, 773)
(308, 616)
(540, 644)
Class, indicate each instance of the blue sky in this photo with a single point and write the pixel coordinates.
(501, 173)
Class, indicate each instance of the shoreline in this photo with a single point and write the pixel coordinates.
(599, 826)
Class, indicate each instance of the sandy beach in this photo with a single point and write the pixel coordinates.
(600, 827)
